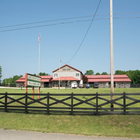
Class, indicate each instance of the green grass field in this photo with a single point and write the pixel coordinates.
(90, 90)
(103, 125)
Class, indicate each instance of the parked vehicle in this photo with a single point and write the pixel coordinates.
(87, 85)
(74, 84)
(95, 85)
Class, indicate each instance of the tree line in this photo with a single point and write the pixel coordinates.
(91, 72)
(134, 75)
(42, 74)
(12, 80)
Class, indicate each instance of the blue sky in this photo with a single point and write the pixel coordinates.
(19, 49)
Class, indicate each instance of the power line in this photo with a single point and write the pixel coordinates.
(126, 13)
(85, 33)
(53, 24)
(124, 17)
(23, 24)
(48, 21)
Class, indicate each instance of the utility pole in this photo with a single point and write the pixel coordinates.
(39, 60)
(111, 49)
(59, 73)
(39, 52)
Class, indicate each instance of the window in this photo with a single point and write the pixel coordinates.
(55, 75)
(77, 74)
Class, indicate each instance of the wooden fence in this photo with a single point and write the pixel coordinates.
(96, 104)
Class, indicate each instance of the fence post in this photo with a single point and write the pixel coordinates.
(124, 103)
(26, 97)
(96, 103)
(48, 103)
(72, 103)
(5, 101)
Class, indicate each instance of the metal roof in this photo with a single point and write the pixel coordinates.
(43, 79)
(106, 78)
(90, 78)
(68, 66)
(66, 79)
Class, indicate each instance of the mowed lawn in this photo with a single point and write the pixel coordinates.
(103, 125)
(83, 90)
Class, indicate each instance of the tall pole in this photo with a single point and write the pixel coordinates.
(39, 61)
(39, 53)
(59, 73)
(111, 49)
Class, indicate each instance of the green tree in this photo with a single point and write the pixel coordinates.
(16, 77)
(131, 74)
(85, 79)
(119, 72)
(134, 75)
(0, 73)
(43, 73)
(104, 73)
(10, 80)
(7, 81)
(89, 72)
(97, 73)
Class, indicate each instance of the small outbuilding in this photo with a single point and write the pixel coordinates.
(120, 81)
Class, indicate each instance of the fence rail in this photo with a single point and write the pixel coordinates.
(96, 104)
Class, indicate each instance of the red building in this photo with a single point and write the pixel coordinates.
(105, 80)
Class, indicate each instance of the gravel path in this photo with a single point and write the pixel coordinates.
(25, 135)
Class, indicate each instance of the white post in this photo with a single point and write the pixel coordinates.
(111, 48)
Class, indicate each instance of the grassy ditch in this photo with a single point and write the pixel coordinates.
(105, 125)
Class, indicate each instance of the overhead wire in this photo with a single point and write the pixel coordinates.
(53, 24)
(23, 24)
(49, 21)
(85, 33)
